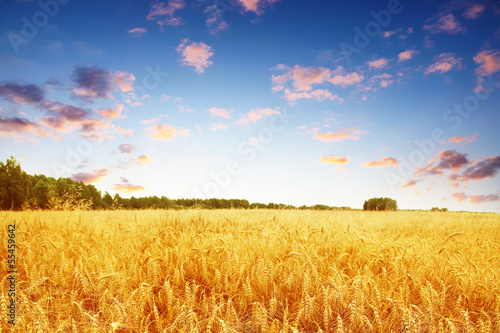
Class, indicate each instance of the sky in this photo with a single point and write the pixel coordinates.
(285, 101)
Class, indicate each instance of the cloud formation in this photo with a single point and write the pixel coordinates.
(384, 162)
(378, 63)
(219, 112)
(92, 177)
(462, 140)
(343, 134)
(165, 132)
(164, 14)
(195, 54)
(474, 11)
(475, 199)
(18, 93)
(128, 188)
(406, 55)
(480, 169)
(110, 114)
(20, 127)
(333, 159)
(137, 32)
(449, 160)
(444, 62)
(93, 82)
(126, 148)
(143, 160)
(255, 115)
(446, 23)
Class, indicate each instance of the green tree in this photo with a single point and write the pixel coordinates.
(380, 204)
(15, 185)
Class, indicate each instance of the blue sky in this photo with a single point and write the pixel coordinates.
(266, 100)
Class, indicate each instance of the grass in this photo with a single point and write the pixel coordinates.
(254, 271)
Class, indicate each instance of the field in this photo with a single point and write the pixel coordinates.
(254, 271)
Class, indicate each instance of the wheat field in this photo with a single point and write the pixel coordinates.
(254, 271)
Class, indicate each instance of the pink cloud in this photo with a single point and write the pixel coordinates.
(137, 32)
(384, 162)
(256, 6)
(378, 64)
(406, 55)
(123, 80)
(256, 114)
(444, 62)
(460, 197)
(143, 160)
(474, 11)
(344, 134)
(110, 114)
(92, 177)
(411, 183)
(318, 95)
(445, 23)
(489, 62)
(333, 159)
(216, 127)
(128, 188)
(126, 148)
(19, 127)
(219, 112)
(196, 55)
(165, 14)
(462, 140)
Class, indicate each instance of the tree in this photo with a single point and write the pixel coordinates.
(380, 204)
(15, 185)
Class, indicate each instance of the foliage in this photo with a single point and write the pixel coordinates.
(380, 204)
(436, 209)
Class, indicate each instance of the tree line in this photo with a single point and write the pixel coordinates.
(21, 191)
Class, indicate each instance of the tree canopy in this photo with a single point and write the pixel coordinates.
(380, 204)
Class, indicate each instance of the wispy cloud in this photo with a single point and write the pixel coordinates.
(128, 188)
(406, 55)
(255, 115)
(91, 177)
(462, 140)
(137, 32)
(444, 23)
(19, 93)
(165, 132)
(444, 62)
(219, 112)
(378, 63)
(216, 127)
(20, 127)
(143, 160)
(343, 134)
(126, 148)
(164, 14)
(474, 11)
(333, 159)
(111, 114)
(384, 162)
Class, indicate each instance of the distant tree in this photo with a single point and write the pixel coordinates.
(436, 209)
(380, 204)
(15, 185)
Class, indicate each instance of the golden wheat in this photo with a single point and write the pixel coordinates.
(254, 271)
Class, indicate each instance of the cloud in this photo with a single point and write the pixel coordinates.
(182, 108)
(219, 112)
(340, 169)
(411, 183)
(444, 62)
(165, 132)
(318, 95)
(406, 55)
(63, 118)
(137, 32)
(111, 114)
(88, 50)
(123, 131)
(195, 54)
(94, 82)
(462, 140)
(216, 127)
(21, 93)
(474, 11)
(214, 20)
(481, 168)
(256, 114)
(378, 64)
(344, 134)
(165, 14)
(150, 121)
(333, 159)
(387, 34)
(128, 188)
(384, 162)
(256, 6)
(92, 177)
(428, 42)
(143, 160)
(95, 129)
(342, 79)
(460, 197)
(480, 198)
(489, 62)
(19, 127)
(126, 148)
(449, 160)
(123, 80)
(445, 23)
